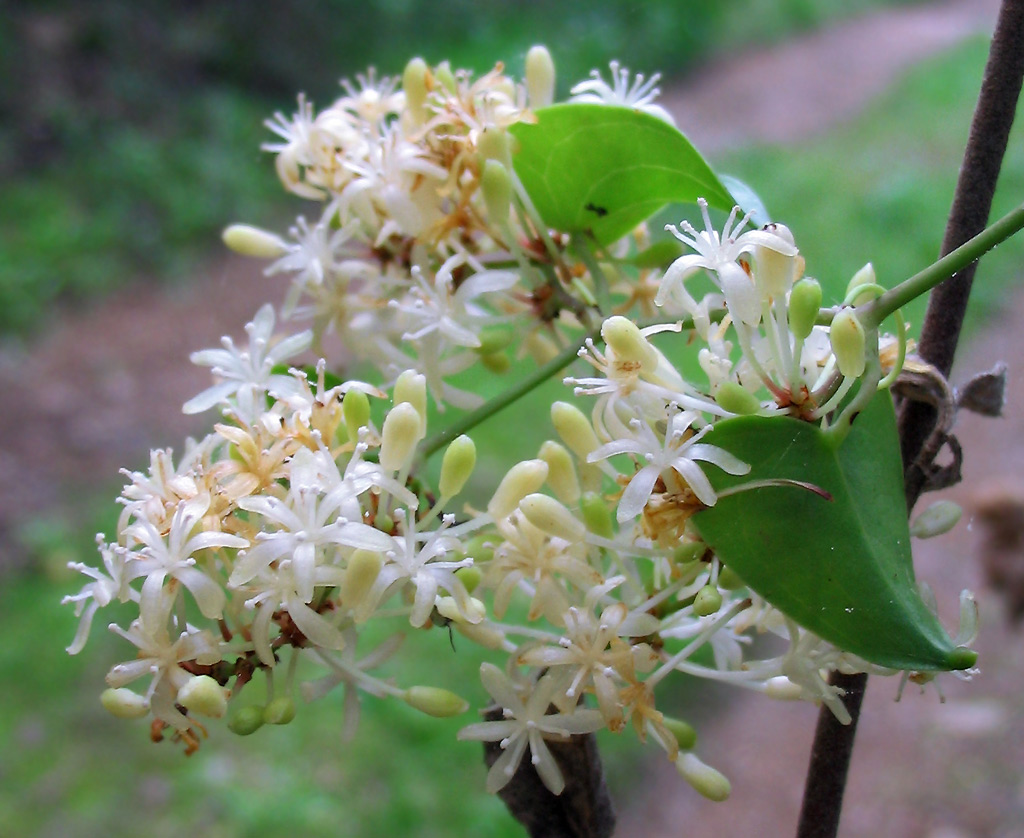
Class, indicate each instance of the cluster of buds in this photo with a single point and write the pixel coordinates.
(307, 515)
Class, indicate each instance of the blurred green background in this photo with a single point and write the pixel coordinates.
(129, 136)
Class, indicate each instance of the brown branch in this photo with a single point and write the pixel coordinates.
(972, 202)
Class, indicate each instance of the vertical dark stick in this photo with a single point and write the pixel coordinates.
(986, 145)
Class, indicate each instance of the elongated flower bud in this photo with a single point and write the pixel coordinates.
(865, 276)
(435, 701)
(497, 189)
(124, 703)
(937, 519)
(356, 409)
(549, 516)
(737, 399)
(520, 480)
(597, 515)
(804, 303)
(456, 466)
(561, 471)
(399, 435)
(280, 711)
(360, 574)
(540, 77)
(411, 387)
(495, 144)
(252, 241)
(848, 342)
(574, 428)
(686, 736)
(776, 271)
(414, 84)
(628, 343)
(708, 781)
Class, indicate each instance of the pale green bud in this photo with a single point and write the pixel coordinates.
(474, 613)
(561, 471)
(479, 549)
(494, 339)
(355, 407)
(937, 519)
(804, 304)
(597, 515)
(435, 701)
(247, 720)
(848, 342)
(776, 271)
(415, 85)
(201, 694)
(705, 779)
(574, 428)
(361, 572)
(497, 189)
(252, 241)
(495, 144)
(540, 347)
(729, 580)
(280, 711)
(737, 399)
(124, 703)
(782, 689)
(469, 576)
(399, 435)
(540, 77)
(549, 516)
(496, 362)
(707, 601)
(445, 77)
(483, 635)
(520, 480)
(628, 343)
(865, 276)
(456, 466)
(688, 552)
(411, 387)
(685, 735)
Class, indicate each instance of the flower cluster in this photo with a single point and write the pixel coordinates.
(308, 513)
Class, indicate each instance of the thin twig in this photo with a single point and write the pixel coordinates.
(972, 202)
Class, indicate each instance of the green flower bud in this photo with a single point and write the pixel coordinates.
(456, 466)
(688, 551)
(540, 77)
(496, 362)
(494, 339)
(520, 480)
(247, 720)
(280, 711)
(201, 694)
(495, 144)
(469, 576)
(415, 86)
(124, 703)
(444, 75)
(628, 343)
(574, 428)
(360, 574)
(776, 271)
(479, 548)
(399, 435)
(686, 736)
(448, 608)
(865, 276)
(705, 779)
(411, 387)
(549, 516)
(497, 189)
(355, 407)
(737, 399)
(597, 515)
(937, 519)
(848, 343)
(561, 471)
(804, 304)
(707, 601)
(252, 241)
(435, 701)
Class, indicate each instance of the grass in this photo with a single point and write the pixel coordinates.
(69, 769)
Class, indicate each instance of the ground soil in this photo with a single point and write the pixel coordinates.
(104, 385)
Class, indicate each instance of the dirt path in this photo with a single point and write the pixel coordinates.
(107, 384)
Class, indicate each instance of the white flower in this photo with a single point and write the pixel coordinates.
(249, 372)
(639, 95)
(527, 723)
(676, 452)
(104, 589)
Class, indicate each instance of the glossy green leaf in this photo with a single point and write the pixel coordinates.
(841, 568)
(602, 169)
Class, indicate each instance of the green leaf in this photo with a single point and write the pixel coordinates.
(603, 169)
(841, 568)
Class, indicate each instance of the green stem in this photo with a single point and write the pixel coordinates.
(582, 249)
(875, 312)
(500, 402)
